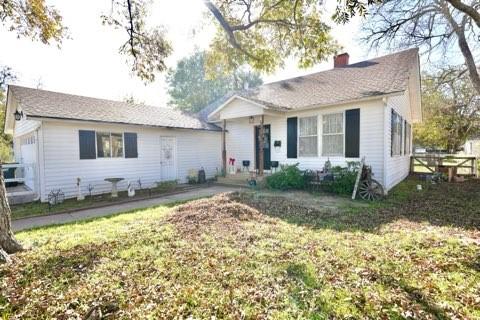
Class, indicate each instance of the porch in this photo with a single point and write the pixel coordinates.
(253, 138)
(20, 181)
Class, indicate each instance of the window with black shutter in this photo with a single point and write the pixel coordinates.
(87, 144)
(131, 150)
(292, 137)
(352, 133)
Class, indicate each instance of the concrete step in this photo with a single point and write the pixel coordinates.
(21, 197)
(239, 179)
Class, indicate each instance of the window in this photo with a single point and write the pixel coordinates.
(109, 145)
(332, 142)
(307, 137)
(396, 134)
(117, 145)
(408, 138)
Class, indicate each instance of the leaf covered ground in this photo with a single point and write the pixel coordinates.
(257, 256)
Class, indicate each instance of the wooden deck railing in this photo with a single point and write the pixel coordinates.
(432, 163)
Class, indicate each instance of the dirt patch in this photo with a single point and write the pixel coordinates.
(318, 200)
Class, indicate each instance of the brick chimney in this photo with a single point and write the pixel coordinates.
(341, 60)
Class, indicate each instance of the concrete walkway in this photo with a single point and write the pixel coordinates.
(27, 223)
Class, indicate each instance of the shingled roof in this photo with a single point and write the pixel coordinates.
(48, 104)
(376, 77)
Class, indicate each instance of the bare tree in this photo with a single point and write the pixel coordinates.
(437, 26)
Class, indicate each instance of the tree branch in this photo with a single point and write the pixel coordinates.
(464, 47)
(131, 29)
(228, 29)
(471, 11)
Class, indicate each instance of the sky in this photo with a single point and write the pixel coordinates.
(88, 62)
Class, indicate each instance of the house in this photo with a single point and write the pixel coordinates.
(472, 146)
(364, 109)
(61, 137)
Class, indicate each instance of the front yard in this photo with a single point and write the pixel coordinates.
(259, 255)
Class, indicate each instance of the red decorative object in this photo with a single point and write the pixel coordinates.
(231, 161)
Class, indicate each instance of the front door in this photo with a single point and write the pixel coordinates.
(266, 146)
(167, 158)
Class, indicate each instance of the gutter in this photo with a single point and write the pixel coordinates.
(119, 122)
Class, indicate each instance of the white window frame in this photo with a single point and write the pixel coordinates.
(110, 134)
(401, 142)
(306, 136)
(333, 134)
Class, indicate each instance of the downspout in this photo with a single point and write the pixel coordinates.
(385, 150)
(37, 169)
(224, 149)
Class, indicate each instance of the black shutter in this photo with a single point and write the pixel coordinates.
(392, 131)
(292, 137)
(352, 133)
(87, 144)
(130, 140)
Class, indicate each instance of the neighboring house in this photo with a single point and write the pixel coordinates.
(352, 111)
(472, 146)
(61, 137)
(364, 109)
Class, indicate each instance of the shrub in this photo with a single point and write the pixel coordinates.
(166, 186)
(289, 177)
(344, 180)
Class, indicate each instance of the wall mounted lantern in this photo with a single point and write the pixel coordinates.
(18, 115)
(251, 119)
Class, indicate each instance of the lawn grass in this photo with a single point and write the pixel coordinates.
(415, 255)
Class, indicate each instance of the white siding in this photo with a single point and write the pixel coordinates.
(240, 108)
(396, 167)
(25, 149)
(240, 141)
(25, 126)
(240, 137)
(62, 164)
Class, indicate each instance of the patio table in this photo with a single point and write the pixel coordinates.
(114, 182)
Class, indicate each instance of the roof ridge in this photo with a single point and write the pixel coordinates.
(352, 64)
(90, 97)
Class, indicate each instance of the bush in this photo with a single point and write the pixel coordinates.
(344, 180)
(289, 177)
(166, 186)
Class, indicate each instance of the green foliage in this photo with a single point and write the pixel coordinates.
(6, 152)
(33, 19)
(450, 111)
(288, 178)
(264, 33)
(146, 48)
(191, 89)
(344, 180)
(166, 186)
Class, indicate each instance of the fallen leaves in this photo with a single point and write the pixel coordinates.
(254, 256)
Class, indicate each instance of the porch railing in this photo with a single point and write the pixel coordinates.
(22, 173)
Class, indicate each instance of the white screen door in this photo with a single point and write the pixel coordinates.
(167, 158)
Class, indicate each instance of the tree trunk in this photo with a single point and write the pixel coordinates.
(459, 30)
(8, 243)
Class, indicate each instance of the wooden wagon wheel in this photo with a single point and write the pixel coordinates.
(370, 190)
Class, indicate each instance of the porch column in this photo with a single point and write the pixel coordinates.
(224, 149)
(261, 133)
